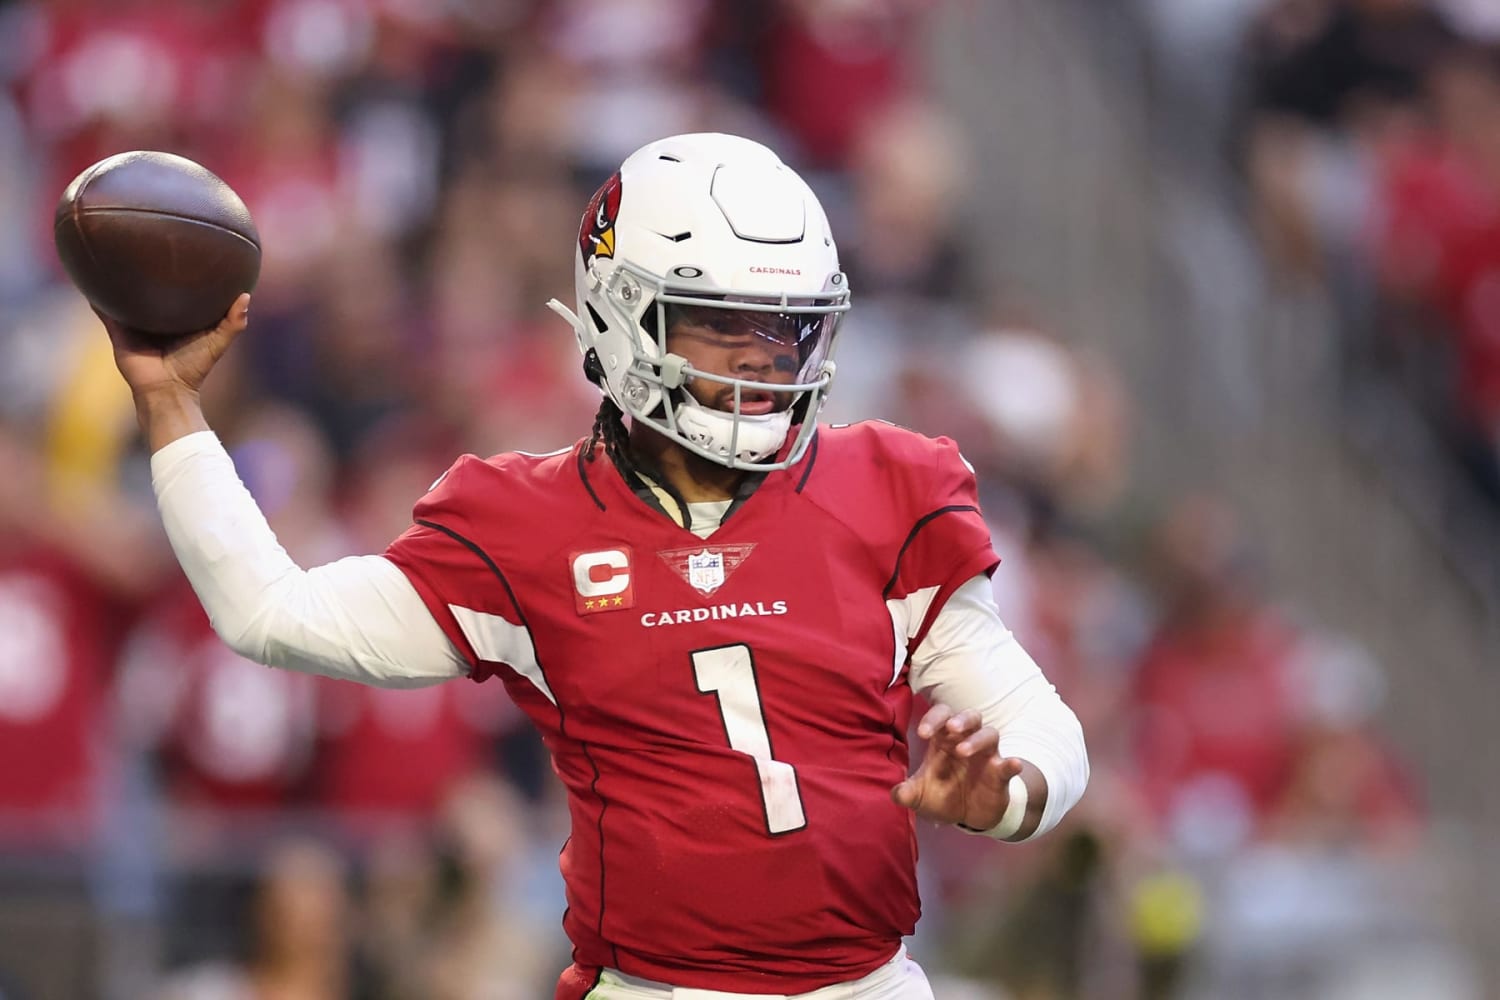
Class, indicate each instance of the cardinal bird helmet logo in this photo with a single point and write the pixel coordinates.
(596, 235)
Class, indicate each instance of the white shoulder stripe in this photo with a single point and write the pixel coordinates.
(906, 618)
(498, 641)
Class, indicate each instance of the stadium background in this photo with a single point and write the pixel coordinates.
(1201, 288)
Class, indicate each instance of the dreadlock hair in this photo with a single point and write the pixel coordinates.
(609, 427)
(609, 422)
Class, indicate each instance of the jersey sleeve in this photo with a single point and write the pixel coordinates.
(949, 541)
(462, 586)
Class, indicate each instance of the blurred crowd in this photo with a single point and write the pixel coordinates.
(416, 170)
(1371, 143)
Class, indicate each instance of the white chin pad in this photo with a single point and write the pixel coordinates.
(759, 434)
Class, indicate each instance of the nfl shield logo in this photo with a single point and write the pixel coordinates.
(706, 570)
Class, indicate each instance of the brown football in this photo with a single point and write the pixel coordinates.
(157, 242)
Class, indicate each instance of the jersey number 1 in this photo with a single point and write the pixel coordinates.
(729, 672)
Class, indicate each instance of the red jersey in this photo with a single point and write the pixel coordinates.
(728, 715)
(58, 638)
(1217, 702)
(389, 753)
(232, 734)
(1441, 221)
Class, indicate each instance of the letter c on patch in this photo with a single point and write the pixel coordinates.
(600, 574)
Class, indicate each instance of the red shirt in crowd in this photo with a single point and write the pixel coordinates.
(1441, 241)
(1215, 702)
(58, 636)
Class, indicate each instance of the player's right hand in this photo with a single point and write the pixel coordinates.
(963, 778)
(168, 365)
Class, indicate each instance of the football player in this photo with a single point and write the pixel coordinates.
(716, 611)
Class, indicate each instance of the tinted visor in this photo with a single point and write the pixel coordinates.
(805, 336)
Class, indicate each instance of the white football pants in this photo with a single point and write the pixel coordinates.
(898, 979)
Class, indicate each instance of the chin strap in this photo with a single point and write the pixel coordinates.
(713, 430)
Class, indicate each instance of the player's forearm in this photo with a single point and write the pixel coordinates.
(358, 618)
(970, 660)
(165, 415)
(1036, 726)
(239, 571)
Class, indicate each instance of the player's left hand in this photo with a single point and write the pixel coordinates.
(963, 778)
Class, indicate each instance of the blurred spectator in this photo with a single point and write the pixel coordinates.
(447, 926)
(1333, 62)
(1326, 74)
(1476, 19)
(342, 353)
(828, 68)
(522, 124)
(629, 62)
(909, 167)
(501, 366)
(1440, 245)
(1214, 712)
(106, 77)
(299, 932)
(392, 756)
(231, 734)
(65, 610)
(1030, 936)
(1088, 622)
(284, 163)
(1058, 429)
(905, 254)
(18, 268)
(1303, 911)
(1347, 790)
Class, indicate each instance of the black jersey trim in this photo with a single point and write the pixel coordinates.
(484, 557)
(642, 489)
(922, 523)
(584, 475)
(599, 826)
(812, 457)
(562, 719)
(743, 492)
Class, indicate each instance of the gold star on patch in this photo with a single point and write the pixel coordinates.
(589, 604)
(619, 601)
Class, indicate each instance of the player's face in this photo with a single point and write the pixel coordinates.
(744, 344)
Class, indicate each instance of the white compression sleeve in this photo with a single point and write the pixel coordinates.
(969, 659)
(358, 618)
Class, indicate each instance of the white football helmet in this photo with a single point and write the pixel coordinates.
(717, 222)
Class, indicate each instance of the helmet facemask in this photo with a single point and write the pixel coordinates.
(710, 238)
(744, 424)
